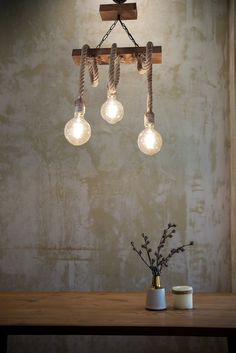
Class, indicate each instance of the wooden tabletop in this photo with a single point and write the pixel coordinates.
(114, 313)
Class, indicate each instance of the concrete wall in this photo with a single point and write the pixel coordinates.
(68, 214)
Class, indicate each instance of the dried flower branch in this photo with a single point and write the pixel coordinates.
(157, 263)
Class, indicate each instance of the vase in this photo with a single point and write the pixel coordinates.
(156, 297)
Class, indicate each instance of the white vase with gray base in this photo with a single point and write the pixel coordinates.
(156, 299)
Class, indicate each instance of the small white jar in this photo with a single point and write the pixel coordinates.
(182, 297)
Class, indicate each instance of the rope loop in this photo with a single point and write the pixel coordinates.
(148, 66)
(140, 61)
(144, 61)
(144, 65)
(93, 70)
(114, 71)
(93, 74)
(79, 102)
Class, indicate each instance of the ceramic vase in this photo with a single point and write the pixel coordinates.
(156, 296)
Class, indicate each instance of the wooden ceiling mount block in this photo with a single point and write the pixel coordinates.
(127, 55)
(111, 12)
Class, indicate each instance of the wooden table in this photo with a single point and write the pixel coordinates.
(116, 313)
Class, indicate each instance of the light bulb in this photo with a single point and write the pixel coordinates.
(149, 140)
(77, 130)
(112, 110)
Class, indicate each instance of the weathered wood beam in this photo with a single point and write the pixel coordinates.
(111, 12)
(127, 55)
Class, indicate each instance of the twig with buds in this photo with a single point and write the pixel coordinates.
(157, 263)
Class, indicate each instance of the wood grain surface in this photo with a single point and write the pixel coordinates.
(214, 313)
(111, 12)
(128, 55)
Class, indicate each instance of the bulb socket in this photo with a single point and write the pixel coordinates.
(111, 95)
(79, 106)
(149, 119)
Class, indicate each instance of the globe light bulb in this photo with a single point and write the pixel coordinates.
(149, 140)
(112, 110)
(77, 130)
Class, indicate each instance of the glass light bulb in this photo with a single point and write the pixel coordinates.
(149, 141)
(112, 110)
(77, 130)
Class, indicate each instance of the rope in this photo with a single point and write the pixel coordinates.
(140, 60)
(117, 70)
(114, 71)
(148, 66)
(93, 74)
(93, 71)
(144, 65)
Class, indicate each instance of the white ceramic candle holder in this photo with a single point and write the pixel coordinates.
(182, 297)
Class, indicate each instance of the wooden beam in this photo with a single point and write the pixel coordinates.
(111, 12)
(127, 55)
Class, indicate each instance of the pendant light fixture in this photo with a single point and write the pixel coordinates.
(77, 130)
(112, 110)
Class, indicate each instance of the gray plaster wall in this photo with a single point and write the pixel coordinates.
(67, 213)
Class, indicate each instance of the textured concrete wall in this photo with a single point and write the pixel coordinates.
(68, 214)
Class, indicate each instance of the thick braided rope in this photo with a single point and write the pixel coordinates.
(117, 70)
(144, 65)
(148, 65)
(93, 71)
(114, 70)
(79, 103)
(140, 64)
